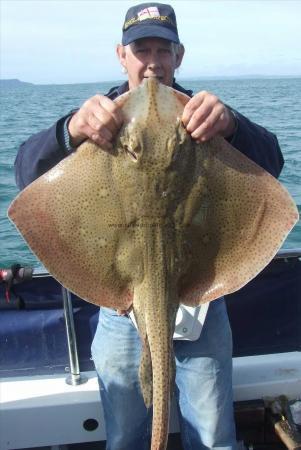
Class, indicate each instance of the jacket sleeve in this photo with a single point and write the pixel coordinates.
(40, 153)
(258, 144)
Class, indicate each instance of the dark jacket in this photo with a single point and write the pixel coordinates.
(45, 149)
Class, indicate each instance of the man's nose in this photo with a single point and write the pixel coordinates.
(154, 61)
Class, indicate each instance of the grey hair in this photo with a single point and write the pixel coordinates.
(176, 48)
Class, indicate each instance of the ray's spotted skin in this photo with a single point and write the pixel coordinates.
(156, 221)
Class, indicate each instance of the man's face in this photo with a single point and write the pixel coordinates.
(150, 57)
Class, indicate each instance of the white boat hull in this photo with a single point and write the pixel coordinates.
(46, 411)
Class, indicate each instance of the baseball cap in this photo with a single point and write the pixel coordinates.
(150, 20)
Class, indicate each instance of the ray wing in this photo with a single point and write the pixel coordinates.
(238, 216)
(70, 218)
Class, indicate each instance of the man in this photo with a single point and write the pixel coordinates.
(151, 48)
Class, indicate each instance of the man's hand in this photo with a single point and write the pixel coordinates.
(98, 119)
(205, 116)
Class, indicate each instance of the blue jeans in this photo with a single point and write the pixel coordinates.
(203, 383)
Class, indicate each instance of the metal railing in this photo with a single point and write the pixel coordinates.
(75, 377)
(288, 253)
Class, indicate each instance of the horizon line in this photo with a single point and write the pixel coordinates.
(191, 78)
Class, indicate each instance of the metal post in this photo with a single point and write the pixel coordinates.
(75, 378)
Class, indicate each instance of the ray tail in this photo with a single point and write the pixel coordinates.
(155, 306)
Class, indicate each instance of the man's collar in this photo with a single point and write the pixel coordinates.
(117, 90)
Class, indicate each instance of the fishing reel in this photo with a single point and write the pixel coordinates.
(11, 277)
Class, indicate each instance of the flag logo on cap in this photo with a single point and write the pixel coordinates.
(150, 20)
(148, 13)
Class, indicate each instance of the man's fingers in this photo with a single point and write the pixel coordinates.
(190, 107)
(98, 126)
(112, 109)
(104, 116)
(199, 116)
(211, 123)
(101, 141)
(209, 134)
(205, 115)
(198, 112)
(98, 119)
(90, 127)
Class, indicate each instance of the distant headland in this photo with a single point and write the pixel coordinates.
(14, 82)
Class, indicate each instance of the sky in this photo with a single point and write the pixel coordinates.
(74, 41)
